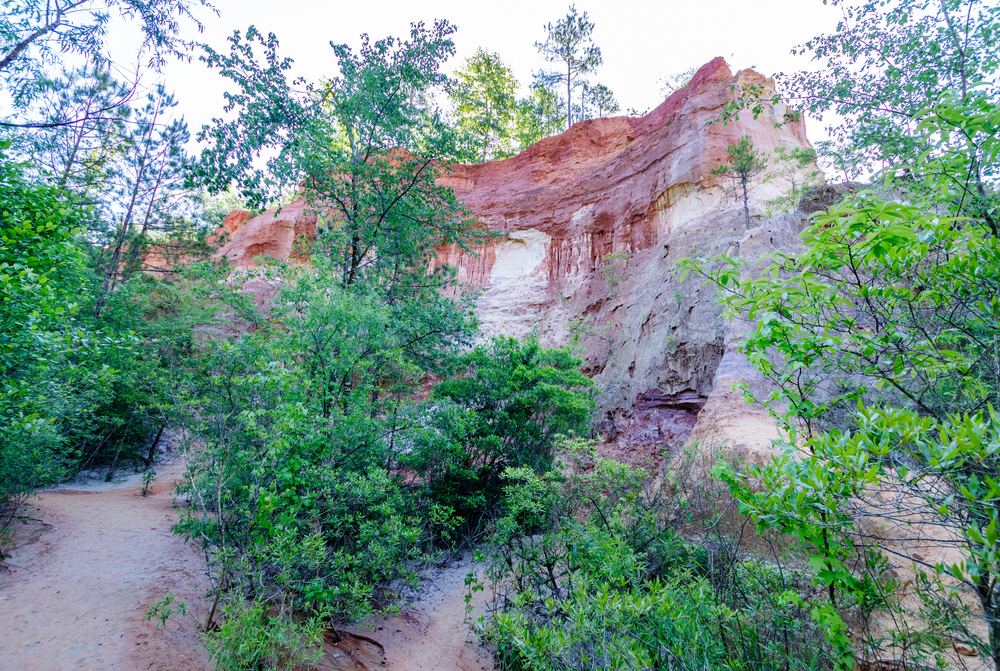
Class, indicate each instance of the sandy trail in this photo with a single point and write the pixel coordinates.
(75, 597)
(433, 633)
(96, 556)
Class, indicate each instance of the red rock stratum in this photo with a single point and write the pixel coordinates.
(594, 221)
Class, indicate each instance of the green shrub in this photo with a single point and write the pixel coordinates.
(505, 409)
(250, 638)
(589, 576)
(297, 492)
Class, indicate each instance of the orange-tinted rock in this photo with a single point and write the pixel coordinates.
(273, 233)
(640, 189)
(231, 224)
(234, 221)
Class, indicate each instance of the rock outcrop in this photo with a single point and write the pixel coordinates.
(267, 234)
(594, 222)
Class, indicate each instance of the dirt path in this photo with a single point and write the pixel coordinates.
(433, 633)
(94, 557)
(75, 597)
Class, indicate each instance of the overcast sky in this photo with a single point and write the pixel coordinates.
(640, 42)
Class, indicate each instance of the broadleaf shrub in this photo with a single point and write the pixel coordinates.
(590, 573)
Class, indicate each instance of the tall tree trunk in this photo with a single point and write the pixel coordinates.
(78, 139)
(112, 271)
(569, 95)
(746, 201)
(137, 245)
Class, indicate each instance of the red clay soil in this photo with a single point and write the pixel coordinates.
(75, 597)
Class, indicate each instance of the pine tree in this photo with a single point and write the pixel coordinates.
(745, 163)
(569, 42)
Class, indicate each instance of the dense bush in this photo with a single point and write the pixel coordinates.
(505, 409)
(316, 473)
(589, 574)
(39, 264)
(251, 638)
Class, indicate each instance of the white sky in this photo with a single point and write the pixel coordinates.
(640, 42)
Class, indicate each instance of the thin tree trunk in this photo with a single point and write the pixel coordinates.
(78, 139)
(114, 464)
(109, 277)
(218, 593)
(746, 203)
(569, 96)
(152, 448)
(134, 254)
(961, 60)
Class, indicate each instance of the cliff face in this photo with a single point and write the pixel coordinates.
(595, 220)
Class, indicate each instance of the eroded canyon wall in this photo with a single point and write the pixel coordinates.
(594, 222)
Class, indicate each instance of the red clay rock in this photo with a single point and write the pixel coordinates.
(273, 233)
(234, 221)
(639, 188)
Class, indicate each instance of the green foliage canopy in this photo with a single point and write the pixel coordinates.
(569, 42)
(885, 64)
(539, 115)
(365, 146)
(483, 96)
(35, 34)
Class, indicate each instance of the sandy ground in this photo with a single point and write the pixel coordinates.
(91, 557)
(434, 633)
(91, 561)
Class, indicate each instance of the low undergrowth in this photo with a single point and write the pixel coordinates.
(590, 572)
